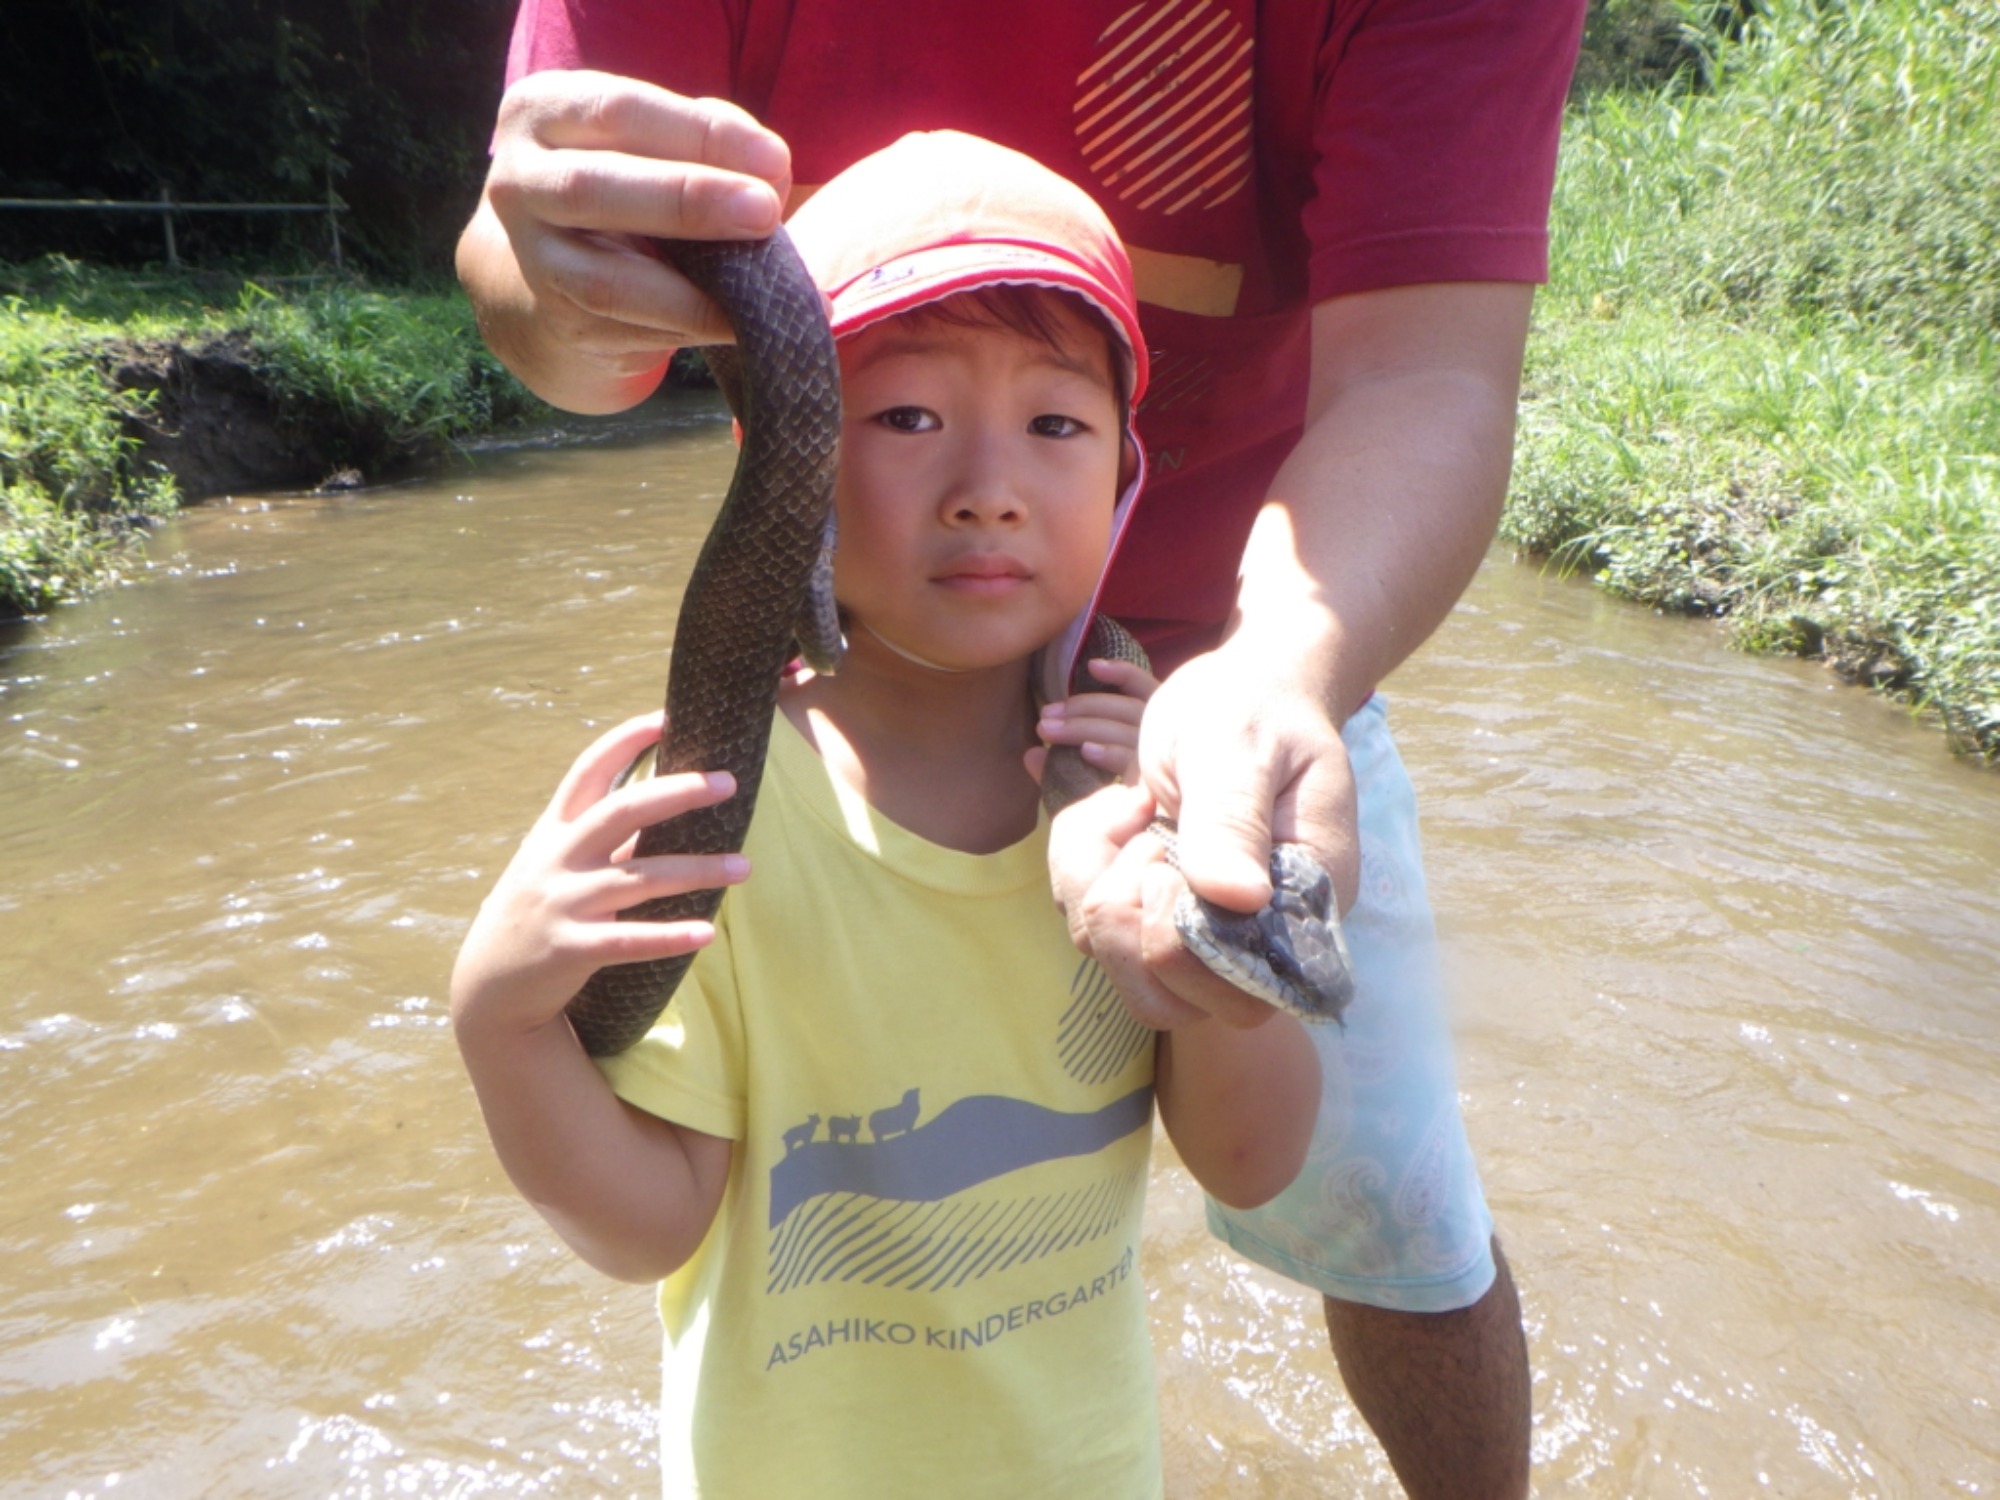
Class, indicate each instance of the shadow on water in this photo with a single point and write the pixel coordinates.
(1727, 939)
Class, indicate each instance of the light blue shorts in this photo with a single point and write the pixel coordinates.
(1388, 1208)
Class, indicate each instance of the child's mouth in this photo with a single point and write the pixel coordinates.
(984, 575)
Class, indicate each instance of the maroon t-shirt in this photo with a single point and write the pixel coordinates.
(1256, 159)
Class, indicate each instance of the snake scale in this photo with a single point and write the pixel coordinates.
(761, 590)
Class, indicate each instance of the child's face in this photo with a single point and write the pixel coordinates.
(979, 468)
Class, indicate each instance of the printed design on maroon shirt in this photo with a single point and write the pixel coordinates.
(1163, 110)
(1177, 379)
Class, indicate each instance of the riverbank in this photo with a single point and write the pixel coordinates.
(1765, 381)
(123, 396)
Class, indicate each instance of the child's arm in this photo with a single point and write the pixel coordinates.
(631, 1193)
(1238, 1088)
(1239, 1103)
(1238, 1095)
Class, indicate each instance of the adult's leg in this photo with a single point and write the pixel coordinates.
(1447, 1393)
(1387, 1218)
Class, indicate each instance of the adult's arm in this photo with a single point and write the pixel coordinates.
(587, 166)
(1373, 527)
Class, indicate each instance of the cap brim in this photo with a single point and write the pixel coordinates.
(940, 271)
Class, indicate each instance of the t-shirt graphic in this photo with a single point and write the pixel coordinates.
(894, 1203)
(925, 1264)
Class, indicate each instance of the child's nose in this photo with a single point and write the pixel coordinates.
(987, 489)
(985, 509)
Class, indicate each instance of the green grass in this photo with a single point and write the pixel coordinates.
(407, 364)
(1765, 383)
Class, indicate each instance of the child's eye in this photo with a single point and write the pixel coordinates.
(1054, 424)
(909, 419)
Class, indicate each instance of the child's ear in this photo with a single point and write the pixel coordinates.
(1128, 462)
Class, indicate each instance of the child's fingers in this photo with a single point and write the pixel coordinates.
(1094, 716)
(621, 886)
(1072, 729)
(1120, 762)
(600, 831)
(1129, 678)
(592, 775)
(1104, 729)
(1113, 707)
(638, 942)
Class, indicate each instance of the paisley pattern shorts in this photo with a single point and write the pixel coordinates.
(1388, 1209)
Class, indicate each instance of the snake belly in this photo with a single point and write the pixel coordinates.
(741, 615)
(1291, 954)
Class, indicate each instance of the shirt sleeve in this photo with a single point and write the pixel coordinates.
(1436, 135)
(690, 1067)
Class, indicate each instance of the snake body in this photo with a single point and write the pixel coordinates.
(762, 589)
(749, 594)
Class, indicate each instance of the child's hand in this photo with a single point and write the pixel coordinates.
(1103, 726)
(551, 920)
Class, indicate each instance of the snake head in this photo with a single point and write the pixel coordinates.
(1290, 954)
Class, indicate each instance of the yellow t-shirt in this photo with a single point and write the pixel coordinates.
(923, 1278)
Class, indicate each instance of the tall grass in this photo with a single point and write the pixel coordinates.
(1766, 381)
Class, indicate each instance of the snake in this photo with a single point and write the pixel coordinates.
(750, 597)
(760, 595)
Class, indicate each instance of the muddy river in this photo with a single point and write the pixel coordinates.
(1726, 937)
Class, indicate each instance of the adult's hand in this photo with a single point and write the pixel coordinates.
(587, 167)
(1237, 757)
(1375, 523)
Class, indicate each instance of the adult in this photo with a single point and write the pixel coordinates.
(1337, 211)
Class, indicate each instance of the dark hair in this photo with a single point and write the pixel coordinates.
(1030, 311)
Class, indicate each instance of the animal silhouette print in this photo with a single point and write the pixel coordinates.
(897, 1119)
(801, 1134)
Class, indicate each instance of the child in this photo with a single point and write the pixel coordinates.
(888, 1146)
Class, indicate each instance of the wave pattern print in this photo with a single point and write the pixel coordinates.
(1162, 113)
(1096, 1036)
(857, 1237)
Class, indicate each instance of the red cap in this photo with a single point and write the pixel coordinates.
(939, 213)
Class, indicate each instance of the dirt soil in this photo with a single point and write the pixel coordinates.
(219, 424)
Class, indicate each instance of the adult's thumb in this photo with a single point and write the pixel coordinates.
(1225, 825)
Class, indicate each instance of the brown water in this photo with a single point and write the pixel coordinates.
(1728, 938)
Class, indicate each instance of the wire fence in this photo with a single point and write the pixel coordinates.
(167, 206)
